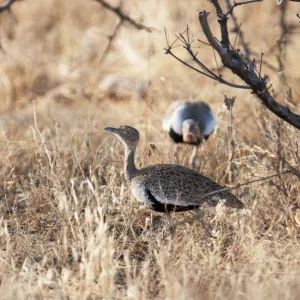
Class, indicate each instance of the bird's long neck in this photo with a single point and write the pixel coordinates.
(129, 166)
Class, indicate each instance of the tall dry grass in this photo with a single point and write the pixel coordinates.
(65, 238)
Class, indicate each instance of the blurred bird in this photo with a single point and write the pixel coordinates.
(167, 187)
(189, 122)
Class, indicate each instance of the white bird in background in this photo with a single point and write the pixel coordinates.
(189, 122)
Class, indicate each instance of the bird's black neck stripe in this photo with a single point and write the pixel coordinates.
(177, 138)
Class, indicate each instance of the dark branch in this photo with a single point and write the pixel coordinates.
(169, 51)
(215, 76)
(237, 29)
(246, 71)
(187, 44)
(247, 183)
(111, 38)
(292, 169)
(223, 24)
(240, 3)
(123, 16)
(6, 5)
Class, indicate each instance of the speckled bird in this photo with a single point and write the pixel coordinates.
(168, 187)
(189, 121)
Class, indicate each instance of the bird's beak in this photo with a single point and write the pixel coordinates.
(111, 129)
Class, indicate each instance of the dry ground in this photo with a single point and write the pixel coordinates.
(63, 239)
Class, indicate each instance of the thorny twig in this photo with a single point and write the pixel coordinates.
(266, 64)
(260, 65)
(111, 39)
(246, 183)
(237, 29)
(239, 3)
(280, 1)
(187, 44)
(246, 71)
(118, 11)
(292, 169)
(6, 5)
(234, 61)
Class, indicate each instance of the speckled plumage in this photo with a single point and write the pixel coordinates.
(168, 187)
(177, 188)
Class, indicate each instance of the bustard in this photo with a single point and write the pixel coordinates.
(167, 187)
(189, 122)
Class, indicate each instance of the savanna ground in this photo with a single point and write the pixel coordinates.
(69, 227)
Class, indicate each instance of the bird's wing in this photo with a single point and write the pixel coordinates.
(174, 185)
(209, 124)
(167, 119)
(179, 186)
(205, 117)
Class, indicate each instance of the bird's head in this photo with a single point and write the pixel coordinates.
(128, 135)
(191, 132)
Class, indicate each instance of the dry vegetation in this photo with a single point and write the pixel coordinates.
(64, 238)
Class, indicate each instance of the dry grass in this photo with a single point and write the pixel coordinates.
(63, 239)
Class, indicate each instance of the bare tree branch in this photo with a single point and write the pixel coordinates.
(247, 183)
(240, 3)
(246, 71)
(292, 169)
(187, 44)
(118, 11)
(231, 59)
(111, 38)
(237, 29)
(6, 5)
(223, 24)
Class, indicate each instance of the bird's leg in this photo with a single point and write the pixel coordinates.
(197, 216)
(204, 225)
(187, 220)
(172, 228)
(193, 158)
(175, 154)
(200, 214)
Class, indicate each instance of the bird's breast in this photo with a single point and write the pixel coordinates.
(138, 191)
(144, 196)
